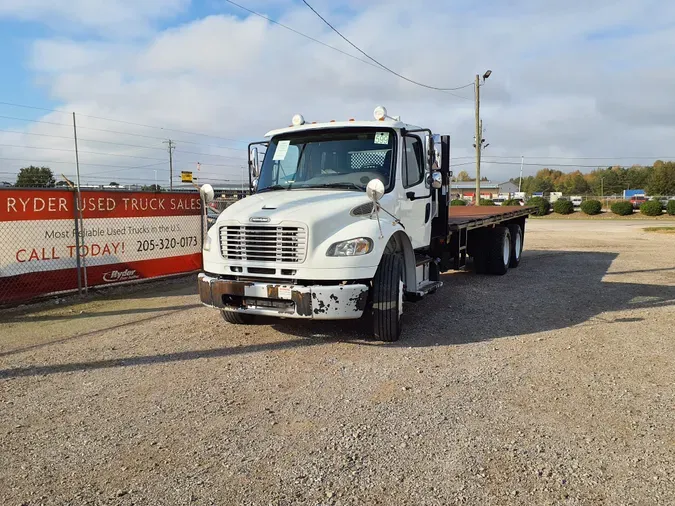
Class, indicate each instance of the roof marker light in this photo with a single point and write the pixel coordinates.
(380, 113)
(298, 120)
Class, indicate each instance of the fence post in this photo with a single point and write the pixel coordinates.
(77, 244)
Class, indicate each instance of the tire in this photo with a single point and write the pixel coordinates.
(480, 262)
(388, 298)
(238, 318)
(516, 245)
(479, 242)
(499, 251)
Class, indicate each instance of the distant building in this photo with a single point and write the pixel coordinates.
(633, 193)
(488, 189)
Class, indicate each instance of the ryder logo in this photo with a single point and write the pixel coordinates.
(118, 276)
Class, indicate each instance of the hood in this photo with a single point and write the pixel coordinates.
(295, 205)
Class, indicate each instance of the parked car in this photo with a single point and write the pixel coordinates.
(576, 200)
(637, 201)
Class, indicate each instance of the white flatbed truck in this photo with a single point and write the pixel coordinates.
(348, 219)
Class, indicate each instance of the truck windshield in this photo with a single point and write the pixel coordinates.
(346, 159)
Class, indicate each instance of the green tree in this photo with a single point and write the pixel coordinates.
(463, 175)
(574, 184)
(35, 177)
(662, 179)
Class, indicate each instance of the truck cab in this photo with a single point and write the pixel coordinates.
(345, 218)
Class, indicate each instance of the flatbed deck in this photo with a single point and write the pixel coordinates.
(471, 217)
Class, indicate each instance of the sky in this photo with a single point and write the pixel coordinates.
(574, 84)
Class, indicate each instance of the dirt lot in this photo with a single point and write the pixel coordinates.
(553, 384)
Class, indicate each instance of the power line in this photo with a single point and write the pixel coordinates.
(111, 131)
(129, 145)
(380, 64)
(122, 121)
(575, 157)
(543, 164)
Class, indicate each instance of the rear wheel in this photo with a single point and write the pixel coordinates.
(388, 298)
(238, 318)
(516, 244)
(479, 242)
(499, 250)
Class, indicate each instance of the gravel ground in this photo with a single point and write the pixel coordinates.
(551, 385)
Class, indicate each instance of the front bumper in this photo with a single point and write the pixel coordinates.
(319, 302)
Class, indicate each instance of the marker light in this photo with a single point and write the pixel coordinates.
(298, 120)
(380, 113)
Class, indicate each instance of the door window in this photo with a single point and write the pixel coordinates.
(413, 172)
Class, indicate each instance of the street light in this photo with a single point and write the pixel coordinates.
(479, 132)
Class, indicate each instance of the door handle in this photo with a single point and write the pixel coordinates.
(411, 196)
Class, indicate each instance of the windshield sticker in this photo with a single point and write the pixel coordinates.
(382, 138)
(282, 149)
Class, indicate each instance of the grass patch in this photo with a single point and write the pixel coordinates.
(660, 230)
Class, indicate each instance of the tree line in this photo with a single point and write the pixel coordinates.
(43, 177)
(656, 180)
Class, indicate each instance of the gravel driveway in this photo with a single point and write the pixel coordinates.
(552, 385)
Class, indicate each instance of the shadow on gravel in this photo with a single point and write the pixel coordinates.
(162, 313)
(27, 318)
(550, 290)
(165, 358)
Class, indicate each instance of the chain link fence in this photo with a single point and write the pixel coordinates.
(54, 242)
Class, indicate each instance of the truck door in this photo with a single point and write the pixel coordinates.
(415, 214)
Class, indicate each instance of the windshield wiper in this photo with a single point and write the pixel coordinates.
(346, 185)
(273, 188)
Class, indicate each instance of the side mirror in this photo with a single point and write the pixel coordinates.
(436, 180)
(207, 193)
(254, 184)
(254, 163)
(375, 190)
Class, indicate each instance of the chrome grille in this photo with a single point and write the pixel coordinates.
(263, 243)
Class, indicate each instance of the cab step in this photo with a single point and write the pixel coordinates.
(424, 288)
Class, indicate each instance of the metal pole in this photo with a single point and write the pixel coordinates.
(520, 181)
(478, 139)
(170, 165)
(79, 205)
(172, 145)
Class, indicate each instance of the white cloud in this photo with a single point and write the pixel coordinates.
(110, 17)
(565, 82)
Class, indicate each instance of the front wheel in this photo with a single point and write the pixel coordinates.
(238, 318)
(388, 298)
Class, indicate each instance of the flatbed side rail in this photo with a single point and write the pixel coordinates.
(469, 222)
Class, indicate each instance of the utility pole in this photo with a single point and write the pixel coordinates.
(172, 146)
(479, 136)
(479, 132)
(520, 180)
(78, 207)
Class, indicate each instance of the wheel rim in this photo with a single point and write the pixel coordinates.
(518, 245)
(507, 250)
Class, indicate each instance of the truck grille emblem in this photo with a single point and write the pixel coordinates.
(259, 219)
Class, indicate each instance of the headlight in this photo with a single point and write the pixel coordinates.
(350, 248)
(207, 243)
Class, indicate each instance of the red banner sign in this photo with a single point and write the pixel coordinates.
(126, 236)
